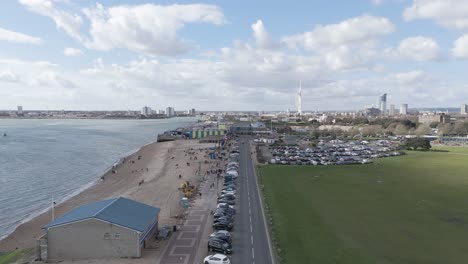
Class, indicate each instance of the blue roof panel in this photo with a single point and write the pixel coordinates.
(129, 213)
(82, 212)
(120, 211)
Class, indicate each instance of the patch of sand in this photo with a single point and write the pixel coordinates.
(149, 176)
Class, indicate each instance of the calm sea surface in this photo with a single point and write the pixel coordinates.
(41, 159)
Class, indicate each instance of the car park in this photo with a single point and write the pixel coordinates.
(216, 259)
(333, 152)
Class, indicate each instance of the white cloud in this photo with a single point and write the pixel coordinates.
(410, 77)
(16, 37)
(377, 2)
(9, 76)
(72, 52)
(262, 38)
(460, 48)
(70, 23)
(38, 84)
(150, 29)
(347, 45)
(355, 30)
(51, 78)
(448, 13)
(419, 49)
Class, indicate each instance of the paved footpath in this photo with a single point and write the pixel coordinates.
(183, 244)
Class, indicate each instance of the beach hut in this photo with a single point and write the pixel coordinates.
(114, 228)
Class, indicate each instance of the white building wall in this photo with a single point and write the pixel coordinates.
(88, 240)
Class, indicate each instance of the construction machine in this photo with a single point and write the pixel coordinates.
(187, 188)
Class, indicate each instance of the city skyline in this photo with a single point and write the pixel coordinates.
(73, 55)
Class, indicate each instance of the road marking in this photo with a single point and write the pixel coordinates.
(251, 239)
(253, 253)
(250, 218)
(251, 231)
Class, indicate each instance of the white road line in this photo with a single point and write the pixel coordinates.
(253, 253)
(251, 231)
(251, 239)
(250, 218)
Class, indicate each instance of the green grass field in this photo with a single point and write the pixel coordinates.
(408, 209)
(20, 255)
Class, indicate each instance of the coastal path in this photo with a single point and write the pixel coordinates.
(183, 244)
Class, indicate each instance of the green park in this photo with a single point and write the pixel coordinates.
(406, 209)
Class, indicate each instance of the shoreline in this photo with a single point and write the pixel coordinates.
(77, 192)
(84, 187)
(136, 175)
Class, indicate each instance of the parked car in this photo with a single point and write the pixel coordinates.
(224, 219)
(223, 226)
(229, 195)
(224, 205)
(222, 214)
(222, 234)
(224, 200)
(226, 211)
(217, 259)
(216, 244)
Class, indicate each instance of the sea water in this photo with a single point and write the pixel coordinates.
(45, 159)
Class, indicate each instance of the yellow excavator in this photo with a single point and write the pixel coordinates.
(187, 188)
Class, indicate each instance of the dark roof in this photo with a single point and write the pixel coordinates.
(120, 211)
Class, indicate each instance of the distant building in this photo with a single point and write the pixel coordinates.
(372, 111)
(19, 112)
(161, 112)
(242, 128)
(114, 228)
(404, 109)
(464, 109)
(392, 110)
(146, 111)
(383, 104)
(434, 118)
(170, 112)
(191, 111)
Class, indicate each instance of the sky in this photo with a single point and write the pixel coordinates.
(232, 55)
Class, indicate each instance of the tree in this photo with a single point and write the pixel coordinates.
(417, 143)
(400, 129)
(422, 129)
(372, 130)
(461, 128)
(444, 129)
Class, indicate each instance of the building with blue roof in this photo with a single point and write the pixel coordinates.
(117, 227)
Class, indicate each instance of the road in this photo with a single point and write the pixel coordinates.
(250, 238)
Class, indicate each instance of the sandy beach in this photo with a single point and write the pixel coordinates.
(150, 175)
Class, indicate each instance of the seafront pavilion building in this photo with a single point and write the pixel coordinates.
(114, 228)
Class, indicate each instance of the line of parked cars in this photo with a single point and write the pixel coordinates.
(223, 215)
(334, 152)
